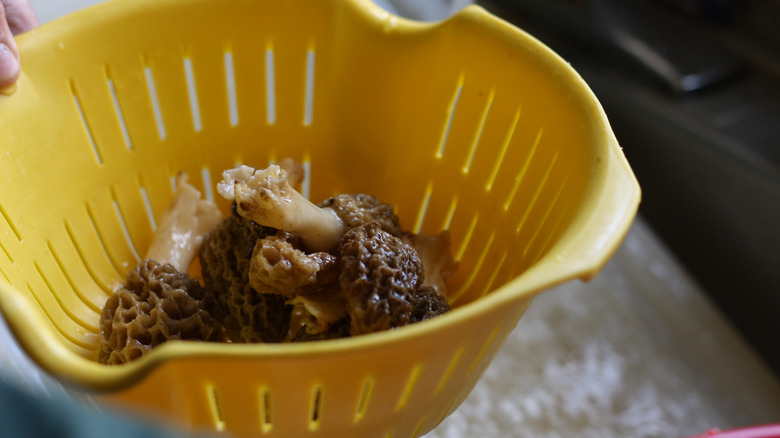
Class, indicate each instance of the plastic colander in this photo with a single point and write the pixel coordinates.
(469, 125)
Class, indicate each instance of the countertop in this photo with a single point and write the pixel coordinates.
(638, 351)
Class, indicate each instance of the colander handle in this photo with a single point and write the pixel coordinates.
(608, 217)
(598, 229)
(37, 336)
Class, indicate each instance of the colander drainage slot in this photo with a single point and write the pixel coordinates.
(450, 213)
(230, 84)
(92, 273)
(65, 308)
(77, 102)
(478, 133)
(67, 334)
(535, 196)
(10, 224)
(306, 183)
(447, 411)
(483, 351)
(450, 115)
(494, 274)
(414, 375)
(148, 208)
(118, 109)
(423, 208)
(554, 229)
(115, 263)
(365, 396)
(544, 220)
(192, 93)
(95, 307)
(123, 226)
(523, 169)
(266, 413)
(212, 395)
(316, 408)
(476, 270)
(467, 237)
(7, 254)
(419, 427)
(450, 369)
(155, 102)
(309, 88)
(270, 85)
(208, 190)
(502, 152)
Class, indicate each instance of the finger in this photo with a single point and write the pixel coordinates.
(9, 55)
(20, 15)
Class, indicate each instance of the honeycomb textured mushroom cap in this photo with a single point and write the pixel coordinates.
(280, 265)
(225, 256)
(156, 304)
(359, 209)
(382, 277)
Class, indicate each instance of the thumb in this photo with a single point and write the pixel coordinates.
(9, 54)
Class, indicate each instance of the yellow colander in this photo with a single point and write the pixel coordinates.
(469, 125)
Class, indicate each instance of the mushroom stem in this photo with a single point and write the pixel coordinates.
(266, 197)
(182, 226)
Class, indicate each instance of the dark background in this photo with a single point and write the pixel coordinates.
(692, 90)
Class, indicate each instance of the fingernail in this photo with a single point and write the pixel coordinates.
(9, 66)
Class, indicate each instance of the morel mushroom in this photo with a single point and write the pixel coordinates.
(382, 278)
(248, 316)
(159, 301)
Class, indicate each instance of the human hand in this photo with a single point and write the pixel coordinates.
(16, 16)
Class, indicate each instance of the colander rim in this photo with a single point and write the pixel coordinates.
(85, 372)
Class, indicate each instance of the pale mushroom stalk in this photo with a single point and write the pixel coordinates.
(159, 301)
(266, 197)
(182, 226)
